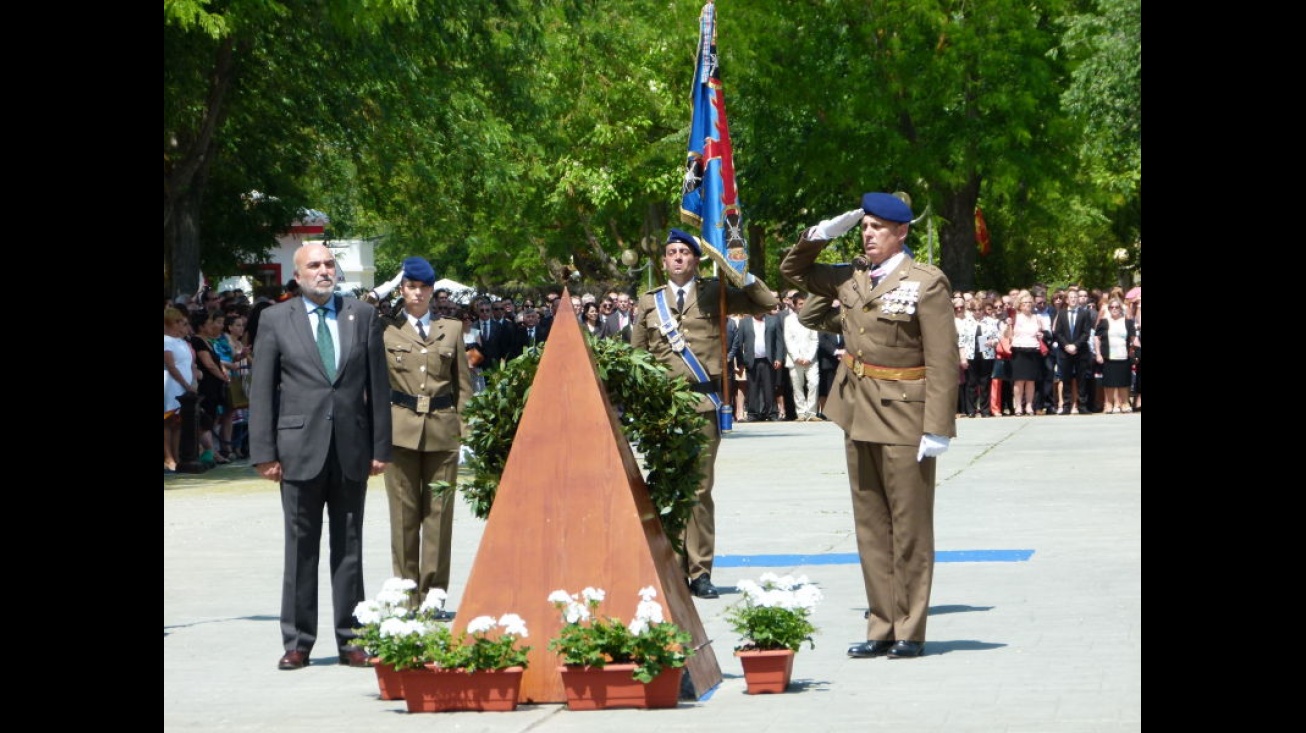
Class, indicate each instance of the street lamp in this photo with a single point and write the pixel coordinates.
(630, 258)
(1121, 256)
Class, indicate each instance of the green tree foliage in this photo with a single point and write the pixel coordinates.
(513, 142)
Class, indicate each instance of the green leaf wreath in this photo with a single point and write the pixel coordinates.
(658, 416)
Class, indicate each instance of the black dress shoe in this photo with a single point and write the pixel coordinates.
(905, 649)
(703, 588)
(442, 615)
(293, 660)
(354, 657)
(868, 649)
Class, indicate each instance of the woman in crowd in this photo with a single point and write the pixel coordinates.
(179, 378)
(238, 370)
(1115, 332)
(967, 330)
(1000, 389)
(207, 326)
(980, 375)
(1137, 314)
(472, 345)
(591, 320)
(1026, 332)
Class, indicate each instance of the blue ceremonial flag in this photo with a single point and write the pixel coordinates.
(709, 198)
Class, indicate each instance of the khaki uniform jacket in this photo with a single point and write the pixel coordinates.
(879, 331)
(700, 324)
(434, 367)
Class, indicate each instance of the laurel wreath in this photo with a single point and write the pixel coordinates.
(658, 416)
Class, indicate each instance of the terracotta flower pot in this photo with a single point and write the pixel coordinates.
(433, 690)
(613, 686)
(388, 680)
(767, 671)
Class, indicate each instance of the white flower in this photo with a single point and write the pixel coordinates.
(748, 588)
(368, 612)
(481, 624)
(638, 626)
(513, 624)
(649, 611)
(593, 595)
(394, 592)
(435, 599)
(402, 627)
(648, 593)
(575, 612)
(559, 596)
(808, 596)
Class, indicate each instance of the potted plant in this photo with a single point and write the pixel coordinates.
(774, 621)
(478, 669)
(393, 604)
(607, 663)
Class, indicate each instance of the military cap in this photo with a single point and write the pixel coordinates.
(416, 268)
(675, 235)
(886, 206)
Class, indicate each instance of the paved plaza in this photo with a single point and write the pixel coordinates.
(1035, 619)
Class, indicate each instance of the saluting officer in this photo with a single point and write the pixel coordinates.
(895, 396)
(692, 305)
(430, 384)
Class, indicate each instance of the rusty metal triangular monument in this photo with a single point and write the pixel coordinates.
(572, 511)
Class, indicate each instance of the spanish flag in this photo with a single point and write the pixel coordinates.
(981, 231)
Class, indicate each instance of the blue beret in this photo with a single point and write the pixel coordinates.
(886, 206)
(416, 268)
(675, 235)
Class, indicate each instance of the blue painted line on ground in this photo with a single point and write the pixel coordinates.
(850, 558)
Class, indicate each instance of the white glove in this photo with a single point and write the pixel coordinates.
(384, 289)
(839, 225)
(932, 446)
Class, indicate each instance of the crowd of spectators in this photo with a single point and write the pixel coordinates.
(1074, 350)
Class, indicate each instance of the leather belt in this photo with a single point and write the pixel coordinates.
(902, 374)
(711, 386)
(421, 403)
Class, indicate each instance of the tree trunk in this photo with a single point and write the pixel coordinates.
(181, 240)
(956, 230)
(186, 167)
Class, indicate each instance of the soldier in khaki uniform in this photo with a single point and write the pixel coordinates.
(895, 396)
(430, 384)
(694, 304)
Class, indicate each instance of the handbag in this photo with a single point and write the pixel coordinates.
(1042, 347)
(237, 395)
(1004, 347)
(474, 355)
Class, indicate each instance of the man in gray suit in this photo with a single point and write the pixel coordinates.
(319, 423)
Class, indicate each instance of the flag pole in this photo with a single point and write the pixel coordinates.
(726, 396)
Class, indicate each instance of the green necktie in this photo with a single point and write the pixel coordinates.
(326, 348)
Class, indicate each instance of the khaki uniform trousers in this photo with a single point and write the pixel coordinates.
(421, 522)
(700, 530)
(893, 510)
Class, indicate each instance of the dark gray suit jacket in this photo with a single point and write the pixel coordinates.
(294, 411)
(742, 346)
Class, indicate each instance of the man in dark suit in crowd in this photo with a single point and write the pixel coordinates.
(759, 346)
(1071, 328)
(496, 341)
(895, 397)
(319, 423)
(530, 332)
(822, 314)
